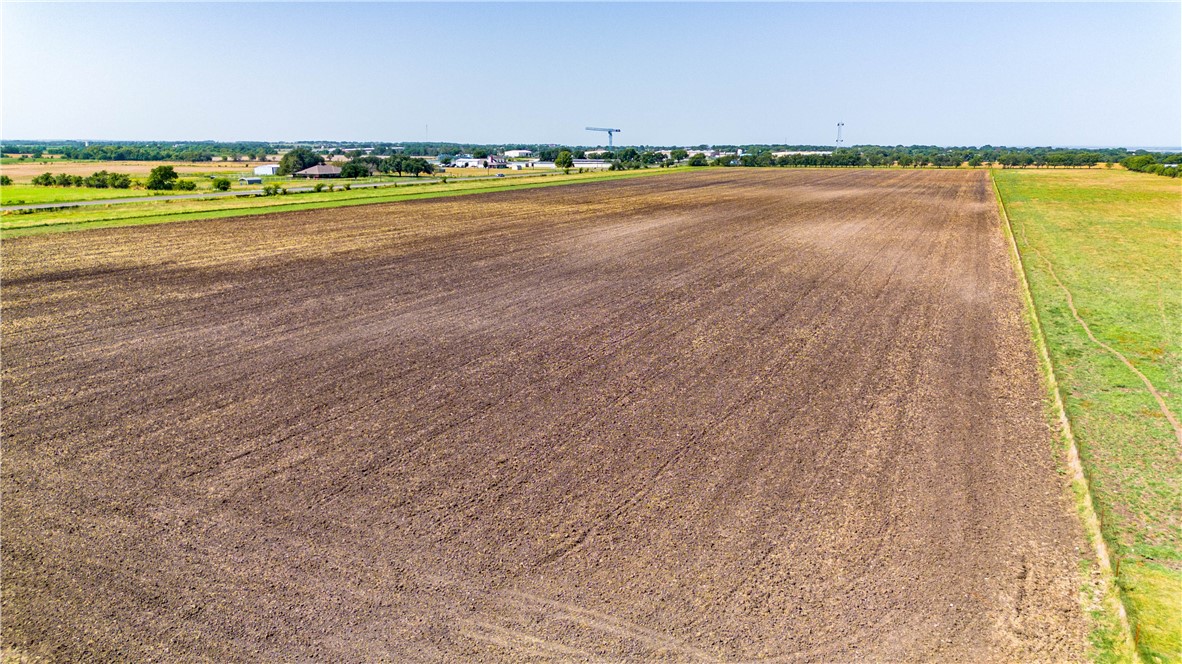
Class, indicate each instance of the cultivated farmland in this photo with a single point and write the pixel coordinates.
(24, 170)
(718, 415)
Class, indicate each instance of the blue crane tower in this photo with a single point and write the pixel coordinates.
(609, 134)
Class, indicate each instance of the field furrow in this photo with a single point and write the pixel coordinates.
(712, 416)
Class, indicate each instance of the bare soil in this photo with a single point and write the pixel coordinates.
(27, 170)
(729, 415)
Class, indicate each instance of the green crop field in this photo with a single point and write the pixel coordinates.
(1109, 243)
(22, 194)
(14, 224)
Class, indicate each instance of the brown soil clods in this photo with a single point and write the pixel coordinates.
(720, 416)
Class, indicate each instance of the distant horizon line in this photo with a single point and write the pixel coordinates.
(1152, 148)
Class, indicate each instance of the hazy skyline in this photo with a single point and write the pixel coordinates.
(668, 73)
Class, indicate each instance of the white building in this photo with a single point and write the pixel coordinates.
(267, 169)
(517, 154)
(491, 161)
(579, 164)
(691, 152)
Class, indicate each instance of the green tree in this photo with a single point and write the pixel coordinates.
(118, 180)
(161, 178)
(221, 184)
(297, 160)
(565, 161)
(392, 165)
(97, 180)
(5, 181)
(479, 153)
(698, 159)
(678, 154)
(355, 169)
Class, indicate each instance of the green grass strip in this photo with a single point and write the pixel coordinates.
(395, 195)
(1113, 638)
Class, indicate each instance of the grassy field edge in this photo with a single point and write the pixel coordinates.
(1112, 636)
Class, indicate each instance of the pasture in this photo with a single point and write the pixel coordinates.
(22, 194)
(1112, 240)
(146, 212)
(718, 415)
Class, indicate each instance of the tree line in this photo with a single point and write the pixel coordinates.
(139, 151)
(628, 157)
(97, 180)
(160, 178)
(1158, 164)
(919, 157)
(359, 166)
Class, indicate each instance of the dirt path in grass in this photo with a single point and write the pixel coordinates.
(729, 415)
(1161, 402)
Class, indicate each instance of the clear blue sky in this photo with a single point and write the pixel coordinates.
(669, 73)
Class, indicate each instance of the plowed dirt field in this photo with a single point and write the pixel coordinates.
(723, 415)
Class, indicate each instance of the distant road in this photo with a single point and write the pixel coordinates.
(244, 192)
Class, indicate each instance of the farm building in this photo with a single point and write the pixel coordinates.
(484, 162)
(266, 169)
(592, 164)
(250, 180)
(517, 154)
(782, 153)
(585, 164)
(320, 171)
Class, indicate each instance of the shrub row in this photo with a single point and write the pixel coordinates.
(1148, 163)
(99, 180)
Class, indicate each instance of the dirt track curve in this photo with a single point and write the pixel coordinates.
(729, 415)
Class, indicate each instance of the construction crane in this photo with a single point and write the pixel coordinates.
(609, 134)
